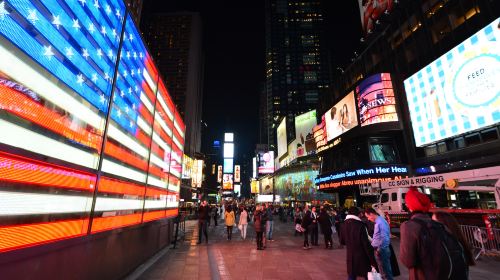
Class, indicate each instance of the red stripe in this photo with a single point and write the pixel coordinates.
(151, 68)
(149, 92)
(22, 170)
(21, 236)
(108, 185)
(158, 172)
(148, 118)
(157, 150)
(153, 215)
(125, 156)
(26, 108)
(107, 223)
(155, 193)
(145, 139)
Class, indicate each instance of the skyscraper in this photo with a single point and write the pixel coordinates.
(175, 42)
(297, 67)
(135, 8)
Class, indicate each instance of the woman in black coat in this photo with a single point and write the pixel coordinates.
(354, 235)
(257, 218)
(326, 228)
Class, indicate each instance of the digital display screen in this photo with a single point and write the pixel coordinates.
(228, 165)
(458, 92)
(299, 186)
(373, 10)
(376, 101)
(282, 141)
(57, 67)
(265, 162)
(304, 136)
(341, 117)
(227, 182)
(228, 150)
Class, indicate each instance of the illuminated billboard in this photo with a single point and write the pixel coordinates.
(265, 162)
(254, 167)
(376, 101)
(197, 173)
(228, 165)
(299, 186)
(459, 91)
(61, 80)
(304, 125)
(237, 174)
(187, 167)
(281, 135)
(371, 11)
(228, 150)
(341, 117)
(227, 182)
(237, 189)
(266, 185)
(254, 186)
(219, 173)
(228, 137)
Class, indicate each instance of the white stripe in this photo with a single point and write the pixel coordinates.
(154, 181)
(143, 125)
(165, 107)
(179, 130)
(177, 142)
(158, 162)
(146, 102)
(152, 204)
(171, 204)
(23, 138)
(163, 124)
(149, 80)
(39, 82)
(16, 203)
(120, 170)
(127, 141)
(112, 204)
(173, 187)
(161, 143)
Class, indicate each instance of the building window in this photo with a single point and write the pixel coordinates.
(310, 77)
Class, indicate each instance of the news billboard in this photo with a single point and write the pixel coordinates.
(459, 91)
(341, 117)
(61, 80)
(282, 140)
(265, 162)
(376, 100)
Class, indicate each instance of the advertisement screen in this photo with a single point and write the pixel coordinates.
(228, 165)
(219, 173)
(299, 185)
(371, 11)
(266, 185)
(60, 82)
(304, 136)
(227, 182)
(228, 150)
(237, 174)
(282, 141)
(376, 101)
(458, 92)
(341, 117)
(237, 189)
(254, 185)
(265, 162)
(320, 134)
(197, 173)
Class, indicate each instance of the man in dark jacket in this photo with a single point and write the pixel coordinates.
(313, 227)
(203, 216)
(306, 222)
(354, 235)
(326, 228)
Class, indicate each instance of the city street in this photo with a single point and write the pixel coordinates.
(282, 259)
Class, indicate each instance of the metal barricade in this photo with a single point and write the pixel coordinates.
(479, 240)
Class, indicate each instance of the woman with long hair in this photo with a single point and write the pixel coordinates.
(453, 228)
(243, 223)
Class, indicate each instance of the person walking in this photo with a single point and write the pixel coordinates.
(257, 221)
(269, 222)
(314, 226)
(298, 215)
(380, 242)
(306, 222)
(202, 221)
(243, 222)
(215, 214)
(427, 248)
(359, 252)
(230, 219)
(326, 228)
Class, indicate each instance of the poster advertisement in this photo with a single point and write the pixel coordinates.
(237, 174)
(228, 165)
(341, 117)
(219, 173)
(266, 185)
(282, 141)
(376, 101)
(299, 186)
(227, 182)
(458, 92)
(371, 11)
(254, 186)
(265, 162)
(304, 136)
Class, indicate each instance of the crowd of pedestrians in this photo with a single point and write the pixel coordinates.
(431, 247)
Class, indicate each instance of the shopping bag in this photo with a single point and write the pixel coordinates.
(240, 227)
(299, 228)
(374, 275)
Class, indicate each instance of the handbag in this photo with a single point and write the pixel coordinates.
(374, 275)
(240, 227)
(299, 228)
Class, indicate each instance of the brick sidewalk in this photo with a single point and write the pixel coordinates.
(283, 258)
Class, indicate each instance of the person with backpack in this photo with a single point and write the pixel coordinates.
(427, 249)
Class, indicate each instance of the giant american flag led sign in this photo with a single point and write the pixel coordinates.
(66, 68)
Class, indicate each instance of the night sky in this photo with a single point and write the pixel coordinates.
(234, 50)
